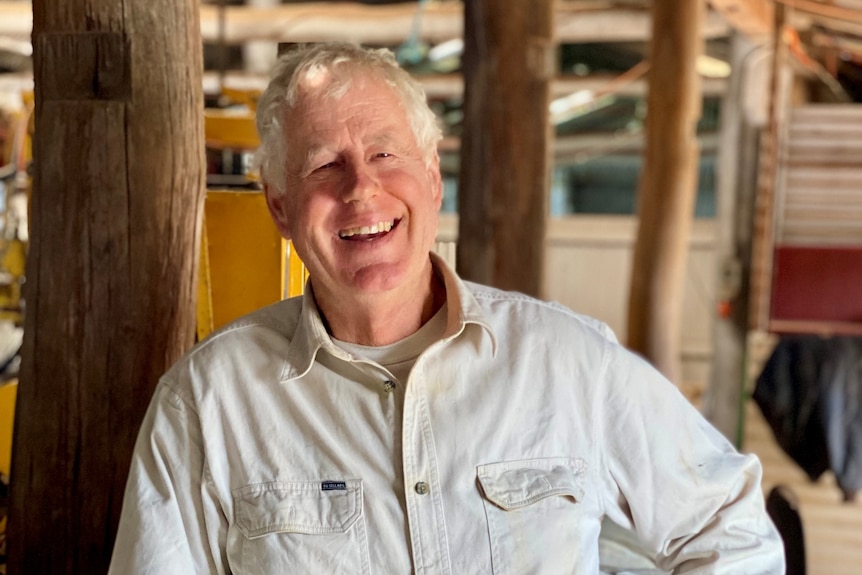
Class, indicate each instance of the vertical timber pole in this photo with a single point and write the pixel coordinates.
(509, 62)
(111, 273)
(668, 185)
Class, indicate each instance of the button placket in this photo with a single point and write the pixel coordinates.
(424, 511)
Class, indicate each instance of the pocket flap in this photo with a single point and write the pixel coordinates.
(312, 507)
(515, 484)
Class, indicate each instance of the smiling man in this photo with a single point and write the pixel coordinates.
(359, 199)
(396, 419)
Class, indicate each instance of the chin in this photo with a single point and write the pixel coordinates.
(379, 278)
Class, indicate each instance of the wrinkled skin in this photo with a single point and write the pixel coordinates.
(353, 163)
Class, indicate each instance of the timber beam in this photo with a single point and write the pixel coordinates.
(751, 17)
(385, 24)
(437, 86)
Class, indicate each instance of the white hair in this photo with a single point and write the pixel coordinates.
(342, 61)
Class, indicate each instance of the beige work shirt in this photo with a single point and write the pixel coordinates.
(269, 449)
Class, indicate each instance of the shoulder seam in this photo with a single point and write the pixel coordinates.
(592, 324)
(229, 329)
(173, 389)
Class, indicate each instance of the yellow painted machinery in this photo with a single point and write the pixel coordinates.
(8, 392)
(15, 158)
(14, 201)
(243, 259)
(245, 263)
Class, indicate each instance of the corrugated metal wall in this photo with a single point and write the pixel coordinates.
(820, 193)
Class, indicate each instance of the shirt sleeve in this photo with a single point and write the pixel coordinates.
(170, 523)
(691, 498)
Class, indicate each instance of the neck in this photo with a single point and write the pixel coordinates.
(382, 319)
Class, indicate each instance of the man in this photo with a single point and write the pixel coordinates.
(395, 419)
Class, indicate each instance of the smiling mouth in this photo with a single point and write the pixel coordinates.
(366, 233)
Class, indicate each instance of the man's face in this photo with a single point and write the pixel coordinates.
(361, 204)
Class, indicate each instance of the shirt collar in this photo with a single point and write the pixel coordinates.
(310, 335)
(463, 307)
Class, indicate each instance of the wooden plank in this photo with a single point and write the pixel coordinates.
(771, 175)
(819, 112)
(848, 230)
(820, 201)
(392, 23)
(847, 150)
(819, 215)
(436, 86)
(452, 85)
(846, 177)
(822, 160)
(822, 194)
(826, 12)
(751, 17)
(846, 134)
(820, 236)
(385, 24)
(835, 223)
(832, 528)
(118, 190)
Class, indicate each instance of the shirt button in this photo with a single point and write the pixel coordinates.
(422, 488)
(389, 385)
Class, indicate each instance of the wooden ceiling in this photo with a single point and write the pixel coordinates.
(835, 22)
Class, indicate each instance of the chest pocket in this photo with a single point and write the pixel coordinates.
(302, 527)
(533, 513)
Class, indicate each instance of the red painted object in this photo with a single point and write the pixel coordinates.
(817, 284)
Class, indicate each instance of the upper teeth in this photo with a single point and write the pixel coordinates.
(366, 230)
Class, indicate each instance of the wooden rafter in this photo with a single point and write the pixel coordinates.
(751, 17)
(383, 24)
(844, 17)
(438, 86)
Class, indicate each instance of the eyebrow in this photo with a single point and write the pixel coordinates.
(310, 159)
(381, 139)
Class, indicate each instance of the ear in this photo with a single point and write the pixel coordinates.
(277, 203)
(436, 180)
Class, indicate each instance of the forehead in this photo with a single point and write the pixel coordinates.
(366, 111)
(360, 97)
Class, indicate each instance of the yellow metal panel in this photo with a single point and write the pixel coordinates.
(238, 96)
(296, 273)
(225, 128)
(8, 393)
(245, 254)
(205, 295)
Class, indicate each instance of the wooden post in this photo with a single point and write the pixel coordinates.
(112, 267)
(668, 184)
(773, 142)
(509, 61)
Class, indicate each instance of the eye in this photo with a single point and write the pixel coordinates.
(325, 166)
(382, 155)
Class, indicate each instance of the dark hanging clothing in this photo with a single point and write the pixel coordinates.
(810, 392)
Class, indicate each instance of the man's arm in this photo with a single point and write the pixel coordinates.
(169, 523)
(678, 483)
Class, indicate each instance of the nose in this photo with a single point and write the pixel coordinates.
(361, 184)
